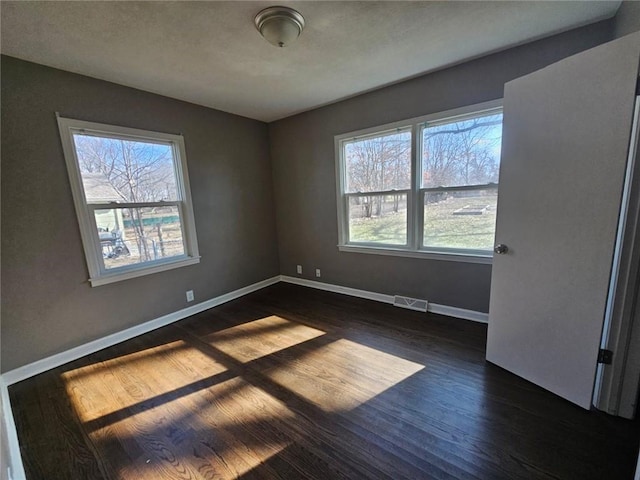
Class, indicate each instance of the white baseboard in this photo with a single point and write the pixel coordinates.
(457, 312)
(40, 366)
(15, 466)
(354, 292)
(380, 297)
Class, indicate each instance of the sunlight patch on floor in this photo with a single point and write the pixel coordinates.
(137, 378)
(205, 435)
(132, 359)
(252, 340)
(357, 373)
(248, 409)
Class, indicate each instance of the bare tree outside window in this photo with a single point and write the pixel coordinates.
(463, 153)
(378, 172)
(138, 173)
(378, 164)
(457, 168)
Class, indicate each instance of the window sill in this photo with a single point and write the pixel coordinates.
(140, 272)
(430, 255)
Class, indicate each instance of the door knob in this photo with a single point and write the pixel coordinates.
(501, 249)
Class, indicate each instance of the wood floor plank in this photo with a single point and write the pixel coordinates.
(47, 422)
(293, 383)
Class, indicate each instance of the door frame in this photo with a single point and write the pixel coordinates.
(616, 384)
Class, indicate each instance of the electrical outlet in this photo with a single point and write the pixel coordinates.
(189, 295)
(318, 272)
(299, 269)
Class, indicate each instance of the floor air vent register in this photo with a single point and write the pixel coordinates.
(410, 303)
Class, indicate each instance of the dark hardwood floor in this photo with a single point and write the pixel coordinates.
(289, 383)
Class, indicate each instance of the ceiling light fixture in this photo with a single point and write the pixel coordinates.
(279, 25)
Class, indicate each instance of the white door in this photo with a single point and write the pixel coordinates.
(565, 142)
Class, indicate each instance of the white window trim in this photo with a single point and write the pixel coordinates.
(413, 247)
(90, 241)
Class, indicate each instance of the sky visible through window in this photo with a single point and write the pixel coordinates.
(466, 152)
(137, 171)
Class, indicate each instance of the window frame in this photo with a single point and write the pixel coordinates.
(98, 273)
(415, 215)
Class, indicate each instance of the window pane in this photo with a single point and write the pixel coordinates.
(466, 152)
(115, 170)
(378, 163)
(130, 236)
(463, 219)
(378, 219)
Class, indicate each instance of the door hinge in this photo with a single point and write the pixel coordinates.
(605, 356)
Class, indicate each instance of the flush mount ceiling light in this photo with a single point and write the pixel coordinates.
(279, 25)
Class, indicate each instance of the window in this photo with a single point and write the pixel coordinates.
(132, 198)
(426, 187)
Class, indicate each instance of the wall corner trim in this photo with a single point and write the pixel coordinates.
(457, 312)
(40, 366)
(13, 446)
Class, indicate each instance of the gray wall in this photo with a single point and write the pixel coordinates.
(47, 304)
(627, 20)
(302, 153)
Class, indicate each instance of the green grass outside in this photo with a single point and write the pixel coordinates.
(390, 228)
(441, 227)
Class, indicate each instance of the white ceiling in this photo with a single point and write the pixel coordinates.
(210, 53)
